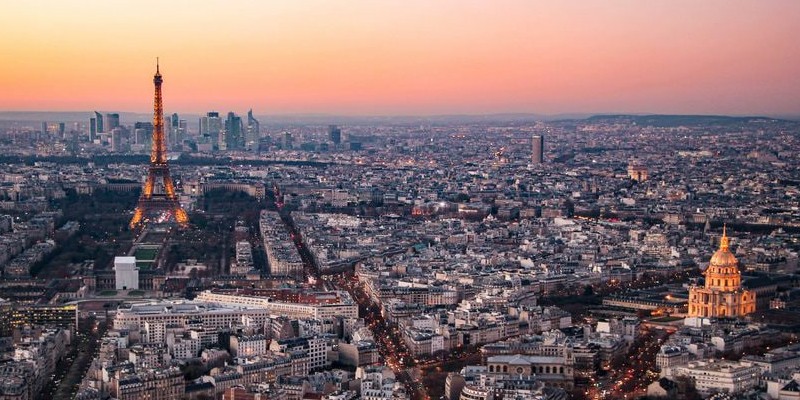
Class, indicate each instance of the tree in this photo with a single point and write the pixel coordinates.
(618, 361)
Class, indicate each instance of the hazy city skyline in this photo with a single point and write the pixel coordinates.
(405, 58)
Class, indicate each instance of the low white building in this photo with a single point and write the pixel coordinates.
(126, 273)
(783, 387)
(378, 383)
(248, 346)
(184, 347)
(720, 376)
(671, 356)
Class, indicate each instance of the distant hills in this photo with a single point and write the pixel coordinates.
(667, 121)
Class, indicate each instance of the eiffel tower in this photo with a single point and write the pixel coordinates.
(158, 200)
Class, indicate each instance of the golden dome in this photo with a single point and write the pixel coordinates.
(723, 257)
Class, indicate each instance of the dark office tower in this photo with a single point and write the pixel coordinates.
(44, 129)
(112, 121)
(334, 134)
(143, 133)
(211, 123)
(92, 129)
(141, 138)
(234, 139)
(173, 138)
(100, 126)
(210, 127)
(287, 141)
(537, 142)
(119, 140)
(253, 130)
(183, 128)
(180, 134)
(62, 129)
(264, 143)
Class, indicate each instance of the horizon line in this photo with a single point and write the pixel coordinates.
(440, 115)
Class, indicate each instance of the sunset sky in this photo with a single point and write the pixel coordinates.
(374, 57)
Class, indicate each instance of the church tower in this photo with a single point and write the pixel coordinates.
(722, 296)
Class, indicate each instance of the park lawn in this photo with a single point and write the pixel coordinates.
(146, 254)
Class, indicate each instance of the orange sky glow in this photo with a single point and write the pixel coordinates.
(423, 57)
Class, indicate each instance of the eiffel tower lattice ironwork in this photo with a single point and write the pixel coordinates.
(158, 199)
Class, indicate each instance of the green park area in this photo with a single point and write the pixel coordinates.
(145, 256)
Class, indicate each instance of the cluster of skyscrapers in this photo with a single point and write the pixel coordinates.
(228, 134)
(216, 133)
(107, 128)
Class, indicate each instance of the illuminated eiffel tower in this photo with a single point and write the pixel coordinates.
(158, 200)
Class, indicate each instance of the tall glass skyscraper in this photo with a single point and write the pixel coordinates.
(253, 131)
(99, 122)
(112, 121)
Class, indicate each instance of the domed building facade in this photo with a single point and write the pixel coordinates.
(722, 296)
